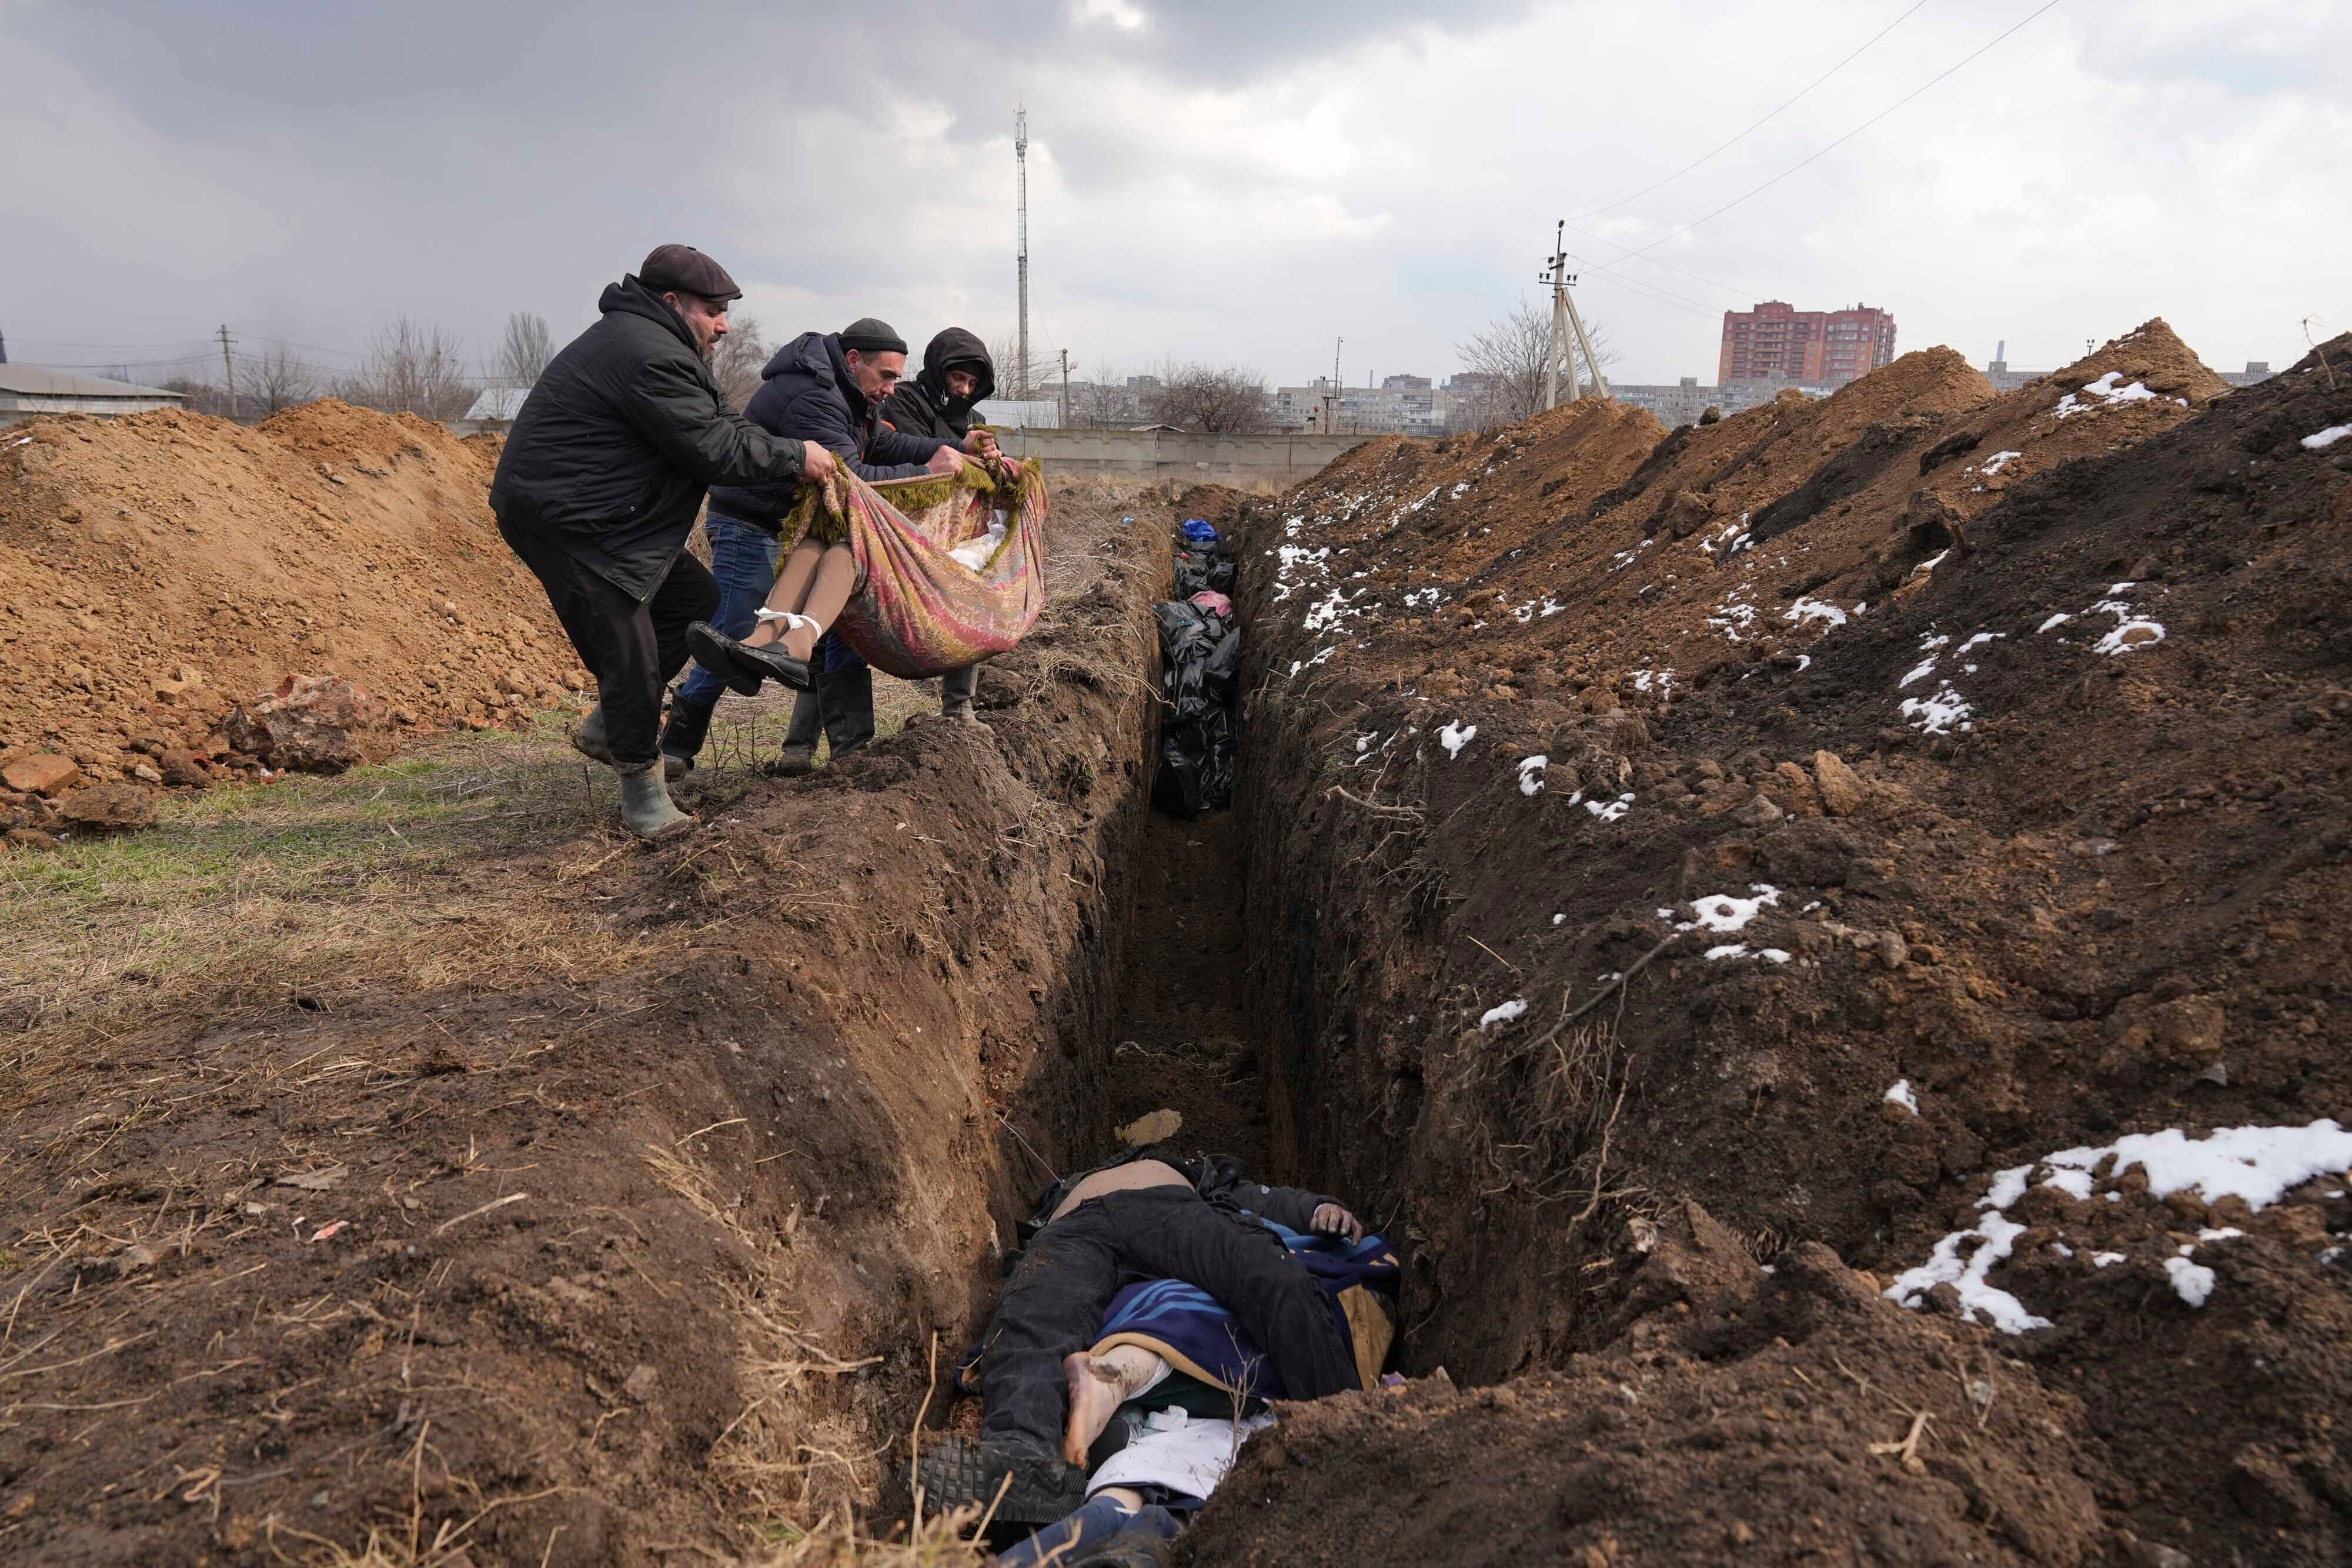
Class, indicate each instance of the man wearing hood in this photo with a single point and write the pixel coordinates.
(827, 388)
(598, 486)
(956, 374)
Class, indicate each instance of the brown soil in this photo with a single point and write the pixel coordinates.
(2099, 903)
(644, 1256)
(328, 539)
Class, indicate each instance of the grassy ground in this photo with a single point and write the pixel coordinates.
(459, 859)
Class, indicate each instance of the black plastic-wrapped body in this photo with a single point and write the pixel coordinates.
(1200, 658)
(1198, 570)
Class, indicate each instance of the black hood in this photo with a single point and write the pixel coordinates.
(955, 346)
(633, 298)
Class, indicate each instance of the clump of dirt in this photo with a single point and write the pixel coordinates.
(1811, 818)
(163, 566)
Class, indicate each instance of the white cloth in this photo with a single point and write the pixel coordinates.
(1185, 1453)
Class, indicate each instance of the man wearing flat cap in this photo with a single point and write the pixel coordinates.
(827, 388)
(598, 488)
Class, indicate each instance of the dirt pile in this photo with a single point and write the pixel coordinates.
(163, 566)
(1812, 818)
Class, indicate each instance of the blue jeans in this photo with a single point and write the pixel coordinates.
(743, 559)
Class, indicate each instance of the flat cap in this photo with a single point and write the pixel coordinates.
(682, 269)
(868, 336)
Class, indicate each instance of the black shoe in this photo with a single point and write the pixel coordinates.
(682, 737)
(957, 1471)
(743, 668)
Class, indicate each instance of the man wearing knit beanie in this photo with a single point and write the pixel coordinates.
(827, 388)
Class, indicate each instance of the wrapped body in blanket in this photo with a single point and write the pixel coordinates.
(1159, 1267)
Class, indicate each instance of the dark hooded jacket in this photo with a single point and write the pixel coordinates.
(921, 405)
(619, 438)
(806, 392)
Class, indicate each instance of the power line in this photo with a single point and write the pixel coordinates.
(1817, 81)
(1841, 142)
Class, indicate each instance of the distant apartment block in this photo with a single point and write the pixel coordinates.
(1777, 341)
(1686, 400)
(1400, 405)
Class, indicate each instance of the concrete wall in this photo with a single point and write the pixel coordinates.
(1277, 460)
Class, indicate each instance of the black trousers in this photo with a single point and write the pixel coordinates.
(631, 646)
(1053, 1303)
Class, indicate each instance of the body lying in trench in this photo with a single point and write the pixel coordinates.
(1162, 1299)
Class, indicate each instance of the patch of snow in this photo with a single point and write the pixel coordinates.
(2074, 1184)
(1609, 810)
(1998, 460)
(1460, 490)
(1994, 1235)
(1902, 1095)
(2105, 1259)
(1502, 1013)
(2054, 621)
(2134, 632)
(1558, 919)
(2108, 394)
(1805, 610)
(1939, 714)
(2316, 440)
(1456, 736)
(2193, 1282)
(1722, 912)
(1980, 638)
(1531, 769)
(2061, 1249)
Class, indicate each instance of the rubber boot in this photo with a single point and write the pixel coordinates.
(645, 808)
(799, 755)
(848, 709)
(590, 740)
(682, 739)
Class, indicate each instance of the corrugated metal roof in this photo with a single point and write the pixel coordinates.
(32, 380)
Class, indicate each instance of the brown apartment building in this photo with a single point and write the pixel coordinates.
(1776, 341)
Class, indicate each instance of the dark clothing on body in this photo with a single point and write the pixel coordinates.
(632, 646)
(806, 392)
(1054, 1304)
(921, 405)
(619, 439)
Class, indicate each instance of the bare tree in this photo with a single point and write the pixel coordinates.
(202, 397)
(1042, 379)
(276, 381)
(1508, 358)
(1105, 403)
(411, 368)
(740, 356)
(524, 352)
(1194, 396)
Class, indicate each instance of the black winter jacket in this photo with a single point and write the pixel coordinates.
(806, 392)
(921, 405)
(620, 437)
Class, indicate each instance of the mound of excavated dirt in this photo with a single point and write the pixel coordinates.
(1812, 818)
(163, 566)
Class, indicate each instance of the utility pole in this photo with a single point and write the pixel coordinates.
(1065, 388)
(1565, 324)
(1021, 161)
(1331, 398)
(229, 371)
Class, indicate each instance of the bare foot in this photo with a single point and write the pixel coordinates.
(1095, 1391)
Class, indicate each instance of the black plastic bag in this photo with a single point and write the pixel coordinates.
(1201, 660)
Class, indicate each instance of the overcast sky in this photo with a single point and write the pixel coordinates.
(1226, 181)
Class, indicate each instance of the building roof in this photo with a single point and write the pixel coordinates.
(499, 404)
(34, 380)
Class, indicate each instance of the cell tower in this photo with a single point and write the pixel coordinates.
(1021, 160)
